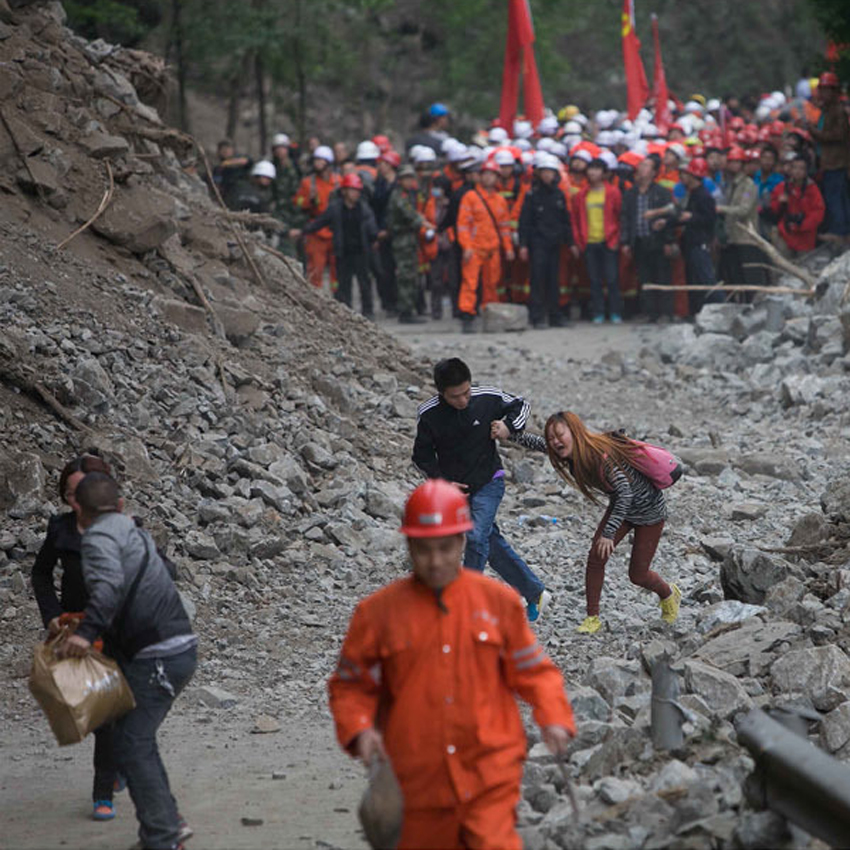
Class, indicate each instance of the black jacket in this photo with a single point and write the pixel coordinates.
(62, 546)
(700, 229)
(380, 200)
(456, 445)
(332, 217)
(658, 197)
(545, 218)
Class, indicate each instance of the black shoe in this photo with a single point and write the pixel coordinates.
(411, 319)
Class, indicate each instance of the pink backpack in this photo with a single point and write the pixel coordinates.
(662, 468)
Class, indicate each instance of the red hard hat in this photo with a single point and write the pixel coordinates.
(737, 123)
(352, 181)
(764, 134)
(392, 157)
(490, 165)
(736, 154)
(748, 136)
(777, 128)
(436, 509)
(828, 79)
(698, 167)
(698, 151)
(754, 154)
(382, 142)
(705, 134)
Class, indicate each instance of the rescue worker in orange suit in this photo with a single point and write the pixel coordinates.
(312, 197)
(484, 234)
(427, 676)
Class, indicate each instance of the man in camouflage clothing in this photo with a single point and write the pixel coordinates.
(285, 186)
(404, 224)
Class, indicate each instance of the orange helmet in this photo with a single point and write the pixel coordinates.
(436, 509)
(352, 181)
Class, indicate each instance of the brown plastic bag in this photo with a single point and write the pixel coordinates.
(77, 694)
(381, 810)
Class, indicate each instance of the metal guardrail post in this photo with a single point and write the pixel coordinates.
(797, 780)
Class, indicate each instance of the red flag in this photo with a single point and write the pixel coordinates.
(663, 118)
(519, 58)
(637, 88)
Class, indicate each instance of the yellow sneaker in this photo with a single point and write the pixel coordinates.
(590, 626)
(670, 606)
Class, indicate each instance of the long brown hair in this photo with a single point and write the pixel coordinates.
(584, 470)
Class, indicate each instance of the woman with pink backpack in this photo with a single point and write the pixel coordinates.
(632, 475)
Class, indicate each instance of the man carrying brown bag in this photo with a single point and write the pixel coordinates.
(134, 605)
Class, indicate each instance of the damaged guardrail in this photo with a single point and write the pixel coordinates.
(796, 779)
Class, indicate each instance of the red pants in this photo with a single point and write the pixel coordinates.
(643, 551)
(489, 265)
(486, 823)
(320, 256)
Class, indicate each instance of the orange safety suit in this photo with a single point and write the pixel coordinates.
(313, 195)
(436, 675)
(476, 232)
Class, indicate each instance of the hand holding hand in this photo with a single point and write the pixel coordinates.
(499, 431)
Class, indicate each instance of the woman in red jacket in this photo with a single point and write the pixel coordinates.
(799, 209)
(596, 225)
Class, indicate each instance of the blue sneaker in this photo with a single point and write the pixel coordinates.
(535, 609)
(616, 319)
(103, 810)
(598, 320)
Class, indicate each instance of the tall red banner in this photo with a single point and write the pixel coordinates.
(637, 88)
(663, 118)
(519, 59)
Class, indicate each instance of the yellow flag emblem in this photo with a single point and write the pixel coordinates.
(627, 24)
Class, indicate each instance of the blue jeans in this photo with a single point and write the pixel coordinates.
(155, 683)
(837, 200)
(603, 272)
(485, 543)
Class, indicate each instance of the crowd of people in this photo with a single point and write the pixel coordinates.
(600, 217)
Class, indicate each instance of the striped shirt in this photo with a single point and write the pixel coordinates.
(633, 497)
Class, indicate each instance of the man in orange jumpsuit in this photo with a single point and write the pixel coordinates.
(427, 677)
(484, 233)
(312, 197)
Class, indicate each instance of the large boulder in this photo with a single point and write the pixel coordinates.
(139, 219)
(499, 318)
(721, 691)
(747, 574)
(821, 673)
(717, 318)
(835, 500)
(714, 351)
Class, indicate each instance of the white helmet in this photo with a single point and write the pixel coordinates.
(522, 129)
(503, 156)
(559, 149)
(323, 152)
(677, 149)
(713, 105)
(545, 144)
(649, 131)
(415, 150)
(581, 119)
(571, 141)
(643, 116)
(458, 152)
(542, 159)
(609, 158)
(548, 125)
(617, 137)
(693, 106)
(449, 143)
(367, 150)
(280, 140)
(497, 136)
(584, 154)
(780, 98)
(572, 128)
(522, 144)
(423, 154)
(528, 157)
(603, 138)
(603, 119)
(264, 168)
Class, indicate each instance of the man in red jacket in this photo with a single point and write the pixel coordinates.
(427, 678)
(799, 209)
(596, 227)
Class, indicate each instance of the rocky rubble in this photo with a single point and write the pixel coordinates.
(265, 436)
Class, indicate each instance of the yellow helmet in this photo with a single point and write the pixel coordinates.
(700, 99)
(567, 112)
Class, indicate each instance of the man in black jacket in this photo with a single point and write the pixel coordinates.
(355, 233)
(134, 605)
(650, 240)
(544, 225)
(456, 439)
